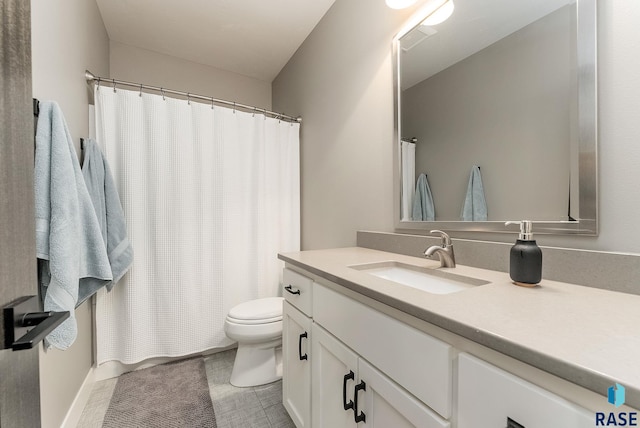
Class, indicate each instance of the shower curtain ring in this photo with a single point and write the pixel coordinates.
(162, 92)
(188, 100)
(211, 103)
(234, 108)
(114, 85)
(140, 94)
(98, 84)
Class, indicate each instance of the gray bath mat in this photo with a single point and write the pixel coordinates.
(170, 395)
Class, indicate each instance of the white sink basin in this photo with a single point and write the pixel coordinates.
(426, 279)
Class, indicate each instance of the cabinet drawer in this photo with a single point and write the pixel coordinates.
(413, 359)
(297, 290)
(489, 396)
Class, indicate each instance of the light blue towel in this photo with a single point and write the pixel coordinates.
(106, 202)
(475, 206)
(423, 208)
(68, 237)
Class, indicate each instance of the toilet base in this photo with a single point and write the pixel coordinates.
(257, 364)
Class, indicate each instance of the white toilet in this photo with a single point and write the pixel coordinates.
(257, 327)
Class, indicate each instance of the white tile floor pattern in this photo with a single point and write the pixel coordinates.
(257, 407)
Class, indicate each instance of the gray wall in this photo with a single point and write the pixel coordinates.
(143, 66)
(507, 108)
(67, 38)
(340, 81)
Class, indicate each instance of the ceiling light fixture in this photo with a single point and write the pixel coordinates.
(439, 15)
(400, 4)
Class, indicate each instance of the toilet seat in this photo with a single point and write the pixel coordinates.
(254, 321)
(257, 311)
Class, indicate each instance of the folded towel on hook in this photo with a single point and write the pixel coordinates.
(475, 205)
(106, 202)
(68, 238)
(423, 208)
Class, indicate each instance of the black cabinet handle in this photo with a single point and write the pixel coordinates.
(302, 336)
(289, 288)
(358, 417)
(348, 376)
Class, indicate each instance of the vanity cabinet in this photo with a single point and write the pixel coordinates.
(491, 397)
(348, 364)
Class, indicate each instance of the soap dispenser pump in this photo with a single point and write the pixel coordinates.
(525, 264)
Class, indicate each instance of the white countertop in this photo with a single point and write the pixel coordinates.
(588, 336)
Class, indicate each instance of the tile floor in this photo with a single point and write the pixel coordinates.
(257, 407)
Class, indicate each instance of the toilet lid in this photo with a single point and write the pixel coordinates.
(261, 309)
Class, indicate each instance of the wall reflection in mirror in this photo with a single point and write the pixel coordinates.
(496, 113)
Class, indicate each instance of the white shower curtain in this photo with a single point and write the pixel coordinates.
(210, 197)
(408, 167)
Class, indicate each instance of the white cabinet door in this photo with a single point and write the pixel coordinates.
(333, 376)
(488, 397)
(296, 365)
(384, 404)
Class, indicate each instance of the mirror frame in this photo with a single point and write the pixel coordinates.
(587, 223)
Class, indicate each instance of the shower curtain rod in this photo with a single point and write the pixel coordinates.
(91, 78)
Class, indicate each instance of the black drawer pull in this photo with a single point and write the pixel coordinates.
(289, 288)
(348, 376)
(302, 336)
(358, 417)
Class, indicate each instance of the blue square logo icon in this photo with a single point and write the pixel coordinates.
(616, 395)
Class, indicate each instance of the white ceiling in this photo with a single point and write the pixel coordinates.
(254, 38)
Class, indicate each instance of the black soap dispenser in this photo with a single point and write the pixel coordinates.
(525, 264)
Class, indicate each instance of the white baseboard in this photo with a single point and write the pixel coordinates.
(80, 401)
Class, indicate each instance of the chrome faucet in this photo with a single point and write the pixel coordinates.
(444, 250)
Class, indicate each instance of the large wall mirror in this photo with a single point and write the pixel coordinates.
(496, 117)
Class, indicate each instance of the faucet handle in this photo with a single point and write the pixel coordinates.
(445, 240)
